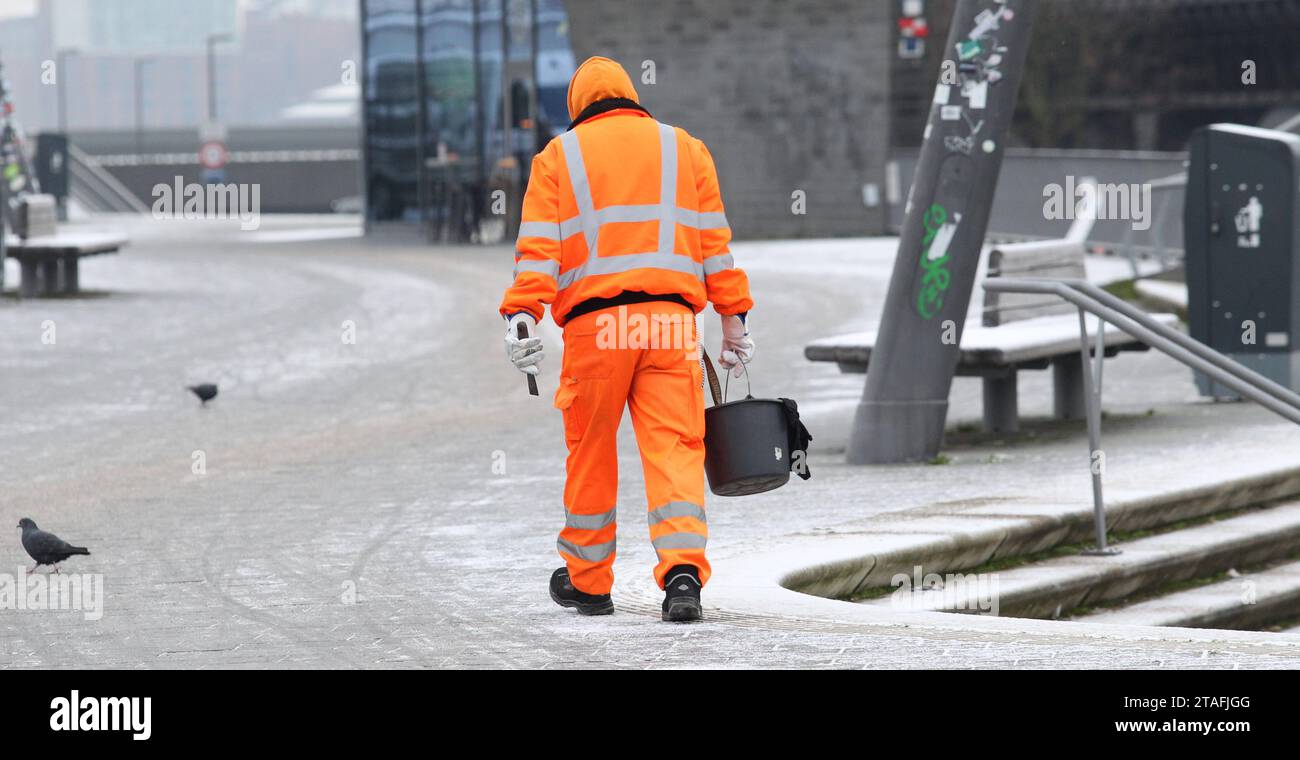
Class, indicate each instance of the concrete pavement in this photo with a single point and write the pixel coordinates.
(393, 502)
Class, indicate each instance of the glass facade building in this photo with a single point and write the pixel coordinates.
(458, 95)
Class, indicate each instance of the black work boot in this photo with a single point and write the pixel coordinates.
(682, 595)
(565, 595)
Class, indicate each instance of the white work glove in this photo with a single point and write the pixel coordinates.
(526, 353)
(737, 346)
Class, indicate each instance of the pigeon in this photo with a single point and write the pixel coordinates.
(46, 548)
(205, 391)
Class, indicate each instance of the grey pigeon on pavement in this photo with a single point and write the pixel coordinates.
(46, 548)
(205, 391)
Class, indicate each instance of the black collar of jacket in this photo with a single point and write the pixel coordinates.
(608, 104)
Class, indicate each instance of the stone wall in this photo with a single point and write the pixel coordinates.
(788, 95)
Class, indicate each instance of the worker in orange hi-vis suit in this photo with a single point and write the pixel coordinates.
(624, 235)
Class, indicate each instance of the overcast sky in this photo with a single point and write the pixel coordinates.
(28, 7)
(17, 8)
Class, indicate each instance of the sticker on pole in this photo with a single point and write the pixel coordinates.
(213, 155)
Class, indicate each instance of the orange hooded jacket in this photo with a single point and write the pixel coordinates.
(621, 203)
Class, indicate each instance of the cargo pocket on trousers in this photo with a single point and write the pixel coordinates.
(568, 402)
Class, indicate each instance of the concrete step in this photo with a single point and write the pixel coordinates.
(1054, 587)
(1246, 602)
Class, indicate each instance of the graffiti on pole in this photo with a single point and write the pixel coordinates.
(939, 230)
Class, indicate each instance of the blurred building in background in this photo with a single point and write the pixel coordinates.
(776, 90)
(278, 53)
(128, 80)
(459, 95)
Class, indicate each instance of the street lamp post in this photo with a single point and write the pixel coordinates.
(212, 41)
(140, 63)
(60, 71)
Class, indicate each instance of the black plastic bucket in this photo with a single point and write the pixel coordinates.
(745, 446)
(748, 443)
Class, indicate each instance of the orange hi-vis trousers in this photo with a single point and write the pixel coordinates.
(643, 356)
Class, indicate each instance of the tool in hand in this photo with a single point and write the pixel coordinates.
(521, 331)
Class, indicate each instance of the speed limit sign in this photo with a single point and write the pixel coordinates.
(213, 155)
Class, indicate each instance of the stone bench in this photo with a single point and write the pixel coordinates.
(50, 263)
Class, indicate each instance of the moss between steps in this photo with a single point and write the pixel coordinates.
(1065, 550)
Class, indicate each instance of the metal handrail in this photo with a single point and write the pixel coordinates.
(1089, 298)
(1280, 392)
(1194, 354)
(109, 190)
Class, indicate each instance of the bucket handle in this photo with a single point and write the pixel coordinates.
(719, 393)
(749, 389)
(714, 388)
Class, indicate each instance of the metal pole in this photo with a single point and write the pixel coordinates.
(61, 60)
(140, 63)
(480, 111)
(421, 127)
(1094, 431)
(905, 399)
(365, 118)
(507, 117)
(61, 65)
(212, 41)
(534, 91)
(4, 231)
(1100, 352)
(1092, 399)
(212, 81)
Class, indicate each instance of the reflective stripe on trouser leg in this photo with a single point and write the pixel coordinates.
(590, 552)
(675, 509)
(679, 532)
(680, 541)
(589, 536)
(588, 543)
(590, 521)
(593, 406)
(667, 407)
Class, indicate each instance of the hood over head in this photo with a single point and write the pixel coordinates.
(598, 78)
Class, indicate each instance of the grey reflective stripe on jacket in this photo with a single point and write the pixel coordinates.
(589, 220)
(549, 267)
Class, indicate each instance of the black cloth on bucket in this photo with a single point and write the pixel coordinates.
(799, 439)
